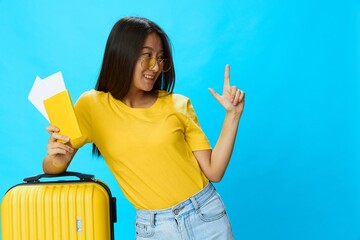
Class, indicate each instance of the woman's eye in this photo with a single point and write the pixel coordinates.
(146, 54)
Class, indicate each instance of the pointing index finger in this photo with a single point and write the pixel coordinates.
(227, 76)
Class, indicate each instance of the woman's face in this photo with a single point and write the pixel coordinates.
(145, 78)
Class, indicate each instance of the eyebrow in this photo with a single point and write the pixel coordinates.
(150, 48)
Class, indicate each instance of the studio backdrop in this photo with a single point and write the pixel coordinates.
(295, 171)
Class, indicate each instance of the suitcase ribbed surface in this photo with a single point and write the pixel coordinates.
(56, 211)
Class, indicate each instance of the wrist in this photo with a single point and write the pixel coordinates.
(233, 115)
(55, 165)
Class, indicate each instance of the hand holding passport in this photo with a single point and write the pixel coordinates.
(51, 98)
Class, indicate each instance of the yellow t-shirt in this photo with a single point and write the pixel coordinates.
(149, 150)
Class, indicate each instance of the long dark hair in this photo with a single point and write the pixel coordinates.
(122, 50)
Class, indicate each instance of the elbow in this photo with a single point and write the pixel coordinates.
(215, 178)
(214, 175)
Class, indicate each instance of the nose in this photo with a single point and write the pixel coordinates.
(156, 67)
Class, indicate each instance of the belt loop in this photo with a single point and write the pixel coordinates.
(196, 206)
(152, 219)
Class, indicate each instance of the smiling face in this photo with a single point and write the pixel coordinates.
(144, 79)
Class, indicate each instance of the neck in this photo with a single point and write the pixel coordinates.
(140, 99)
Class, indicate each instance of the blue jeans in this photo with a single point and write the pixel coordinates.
(201, 217)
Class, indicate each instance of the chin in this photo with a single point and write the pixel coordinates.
(148, 87)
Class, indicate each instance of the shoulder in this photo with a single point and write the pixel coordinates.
(174, 101)
(92, 95)
(173, 97)
(91, 98)
(180, 98)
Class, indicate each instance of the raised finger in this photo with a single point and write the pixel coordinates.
(227, 77)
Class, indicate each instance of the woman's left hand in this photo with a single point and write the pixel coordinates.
(232, 98)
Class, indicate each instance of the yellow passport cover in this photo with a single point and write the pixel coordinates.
(60, 111)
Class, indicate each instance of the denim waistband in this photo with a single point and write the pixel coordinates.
(191, 204)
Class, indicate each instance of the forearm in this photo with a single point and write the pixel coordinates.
(221, 154)
(54, 165)
(214, 163)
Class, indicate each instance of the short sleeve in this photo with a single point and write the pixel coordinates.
(83, 115)
(194, 135)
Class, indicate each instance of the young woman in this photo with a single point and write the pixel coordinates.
(151, 138)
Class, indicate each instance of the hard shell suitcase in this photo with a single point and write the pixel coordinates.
(80, 209)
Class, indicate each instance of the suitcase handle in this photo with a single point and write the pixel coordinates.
(81, 176)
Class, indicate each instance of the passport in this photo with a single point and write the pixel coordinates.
(61, 114)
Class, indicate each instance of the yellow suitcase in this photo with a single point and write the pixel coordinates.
(80, 209)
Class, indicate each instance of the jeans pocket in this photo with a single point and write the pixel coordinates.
(144, 230)
(212, 210)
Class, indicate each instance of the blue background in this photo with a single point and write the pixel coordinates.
(295, 169)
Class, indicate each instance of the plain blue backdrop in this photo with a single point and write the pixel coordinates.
(294, 174)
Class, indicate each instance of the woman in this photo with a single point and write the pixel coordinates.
(151, 138)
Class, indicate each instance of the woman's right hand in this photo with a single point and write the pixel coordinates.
(59, 152)
(58, 144)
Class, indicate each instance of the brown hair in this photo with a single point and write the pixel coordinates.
(122, 50)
